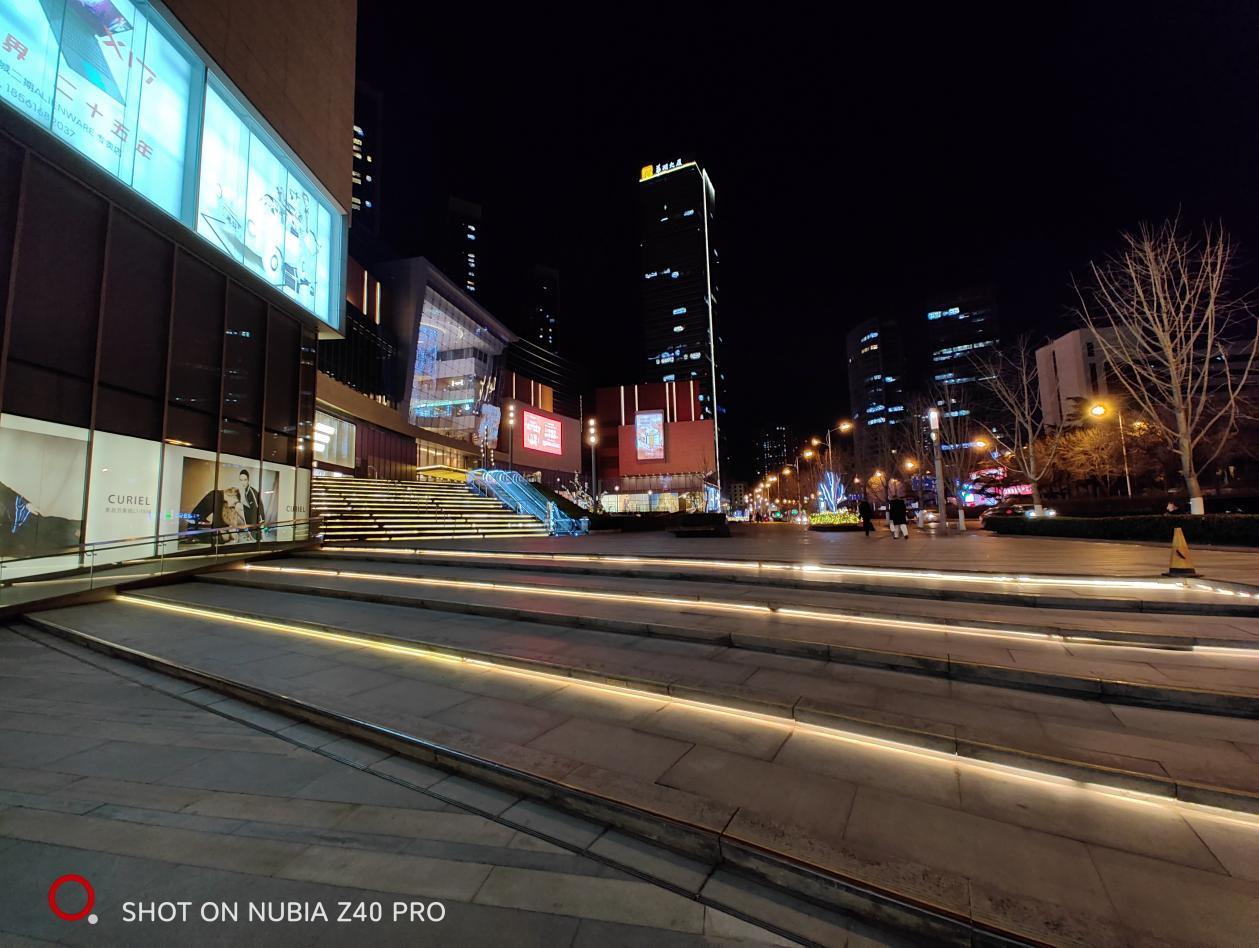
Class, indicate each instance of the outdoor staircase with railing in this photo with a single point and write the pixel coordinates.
(355, 509)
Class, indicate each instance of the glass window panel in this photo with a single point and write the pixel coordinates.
(224, 172)
(29, 31)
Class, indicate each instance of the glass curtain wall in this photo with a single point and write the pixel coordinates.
(456, 369)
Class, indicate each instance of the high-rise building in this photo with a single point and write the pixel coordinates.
(876, 392)
(961, 330)
(542, 308)
(772, 448)
(368, 122)
(679, 281)
(462, 254)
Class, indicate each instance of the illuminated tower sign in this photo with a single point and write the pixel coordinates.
(678, 276)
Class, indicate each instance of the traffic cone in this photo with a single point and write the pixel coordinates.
(1181, 564)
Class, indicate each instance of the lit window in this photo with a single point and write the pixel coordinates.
(678, 328)
(688, 213)
(470, 236)
(679, 311)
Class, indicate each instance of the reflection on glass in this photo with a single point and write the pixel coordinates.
(456, 368)
(105, 79)
(261, 213)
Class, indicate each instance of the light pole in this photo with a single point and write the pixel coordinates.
(511, 436)
(844, 427)
(1099, 411)
(592, 435)
(933, 416)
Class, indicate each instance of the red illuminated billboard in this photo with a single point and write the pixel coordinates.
(542, 433)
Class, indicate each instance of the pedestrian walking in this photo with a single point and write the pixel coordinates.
(866, 513)
(896, 513)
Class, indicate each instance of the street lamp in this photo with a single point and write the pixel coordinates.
(592, 435)
(980, 443)
(1098, 410)
(511, 435)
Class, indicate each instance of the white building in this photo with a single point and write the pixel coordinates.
(1070, 367)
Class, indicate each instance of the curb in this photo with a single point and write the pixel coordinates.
(1226, 703)
(1028, 600)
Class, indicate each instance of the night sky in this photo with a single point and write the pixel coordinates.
(862, 162)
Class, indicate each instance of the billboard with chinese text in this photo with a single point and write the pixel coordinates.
(649, 436)
(542, 433)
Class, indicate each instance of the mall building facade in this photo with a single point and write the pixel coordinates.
(168, 263)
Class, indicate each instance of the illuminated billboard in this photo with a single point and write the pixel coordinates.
(118, 85)
(542, 433)
(649, 435)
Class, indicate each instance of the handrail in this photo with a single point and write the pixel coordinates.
(86, 548)
(514, 491)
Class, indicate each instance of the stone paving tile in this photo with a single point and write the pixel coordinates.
(32, 750)
(355, 786)
(1208, 909)
(553, 824)
(870, 766)
(793, 794)
(608, 900)
(617, 748)
(1015, 860)
(715, 730)
(477, 796)
(1152, 829)
(126, 759)
(245, 772)
(687, 874)
(508, 720)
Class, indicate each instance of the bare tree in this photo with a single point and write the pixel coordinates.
(1027, 446)
(1175, 339)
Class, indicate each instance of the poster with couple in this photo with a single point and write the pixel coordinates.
(226, 495)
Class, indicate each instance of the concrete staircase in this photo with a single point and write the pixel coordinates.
(361, 509)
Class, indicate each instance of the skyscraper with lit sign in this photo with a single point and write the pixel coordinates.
(678, 276)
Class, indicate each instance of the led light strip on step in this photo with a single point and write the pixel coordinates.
(812, 615)
(815, 569)
(424, 653)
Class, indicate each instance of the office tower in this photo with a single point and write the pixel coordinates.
(542, 308)
(772, 448)
(462, 254)
(960, 329)
(679, 281)
(365, 202)
(876, 392)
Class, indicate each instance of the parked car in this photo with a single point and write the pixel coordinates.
(1019, 509)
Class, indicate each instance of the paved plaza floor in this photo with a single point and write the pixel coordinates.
(620, 750)
(975, 549)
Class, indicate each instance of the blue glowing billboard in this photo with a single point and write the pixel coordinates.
(121, 87)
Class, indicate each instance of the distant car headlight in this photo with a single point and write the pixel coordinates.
(1050, 512)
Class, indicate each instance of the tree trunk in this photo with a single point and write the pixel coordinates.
(1185, 450)
(1037, 505)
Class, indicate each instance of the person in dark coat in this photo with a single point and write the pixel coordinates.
(866, 513)
(897, 514)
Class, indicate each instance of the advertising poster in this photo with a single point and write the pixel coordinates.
(122, 494)
(487, 426)
(333, 441)
(252, 209)
(649, 435)
(541, 433)
(278, 483)
(201, 494)
(114, 87)
(43, 468)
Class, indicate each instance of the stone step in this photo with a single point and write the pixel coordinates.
(948, 850)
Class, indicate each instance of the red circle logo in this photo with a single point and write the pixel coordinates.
(71, 916)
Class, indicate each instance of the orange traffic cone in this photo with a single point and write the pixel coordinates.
(1181, 564)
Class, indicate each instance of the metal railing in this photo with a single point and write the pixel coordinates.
(74, 569)
(521, 496)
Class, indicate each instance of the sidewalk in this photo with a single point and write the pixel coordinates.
(975, 549)
(153, 798)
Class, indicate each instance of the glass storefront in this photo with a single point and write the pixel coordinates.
(456, 369)
(119, 85)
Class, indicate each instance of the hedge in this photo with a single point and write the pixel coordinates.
(1224, 529)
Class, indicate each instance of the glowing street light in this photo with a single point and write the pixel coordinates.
(1099, 410)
